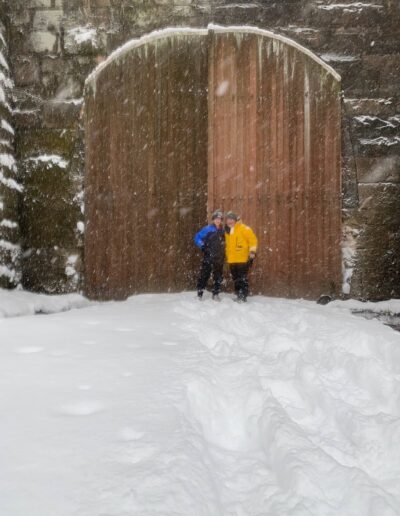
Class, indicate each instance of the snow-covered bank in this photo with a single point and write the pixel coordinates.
(162, 405)
(391, 306)
(20, 302)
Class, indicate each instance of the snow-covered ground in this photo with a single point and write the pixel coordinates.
(163, 405)
(16, 302)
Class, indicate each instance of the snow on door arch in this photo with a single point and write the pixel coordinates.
(183, 121)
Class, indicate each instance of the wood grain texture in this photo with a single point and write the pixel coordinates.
(146, 169)
(191, 123)
(274, 157)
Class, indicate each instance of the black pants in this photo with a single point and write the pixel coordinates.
(207, 267)
(239, 272)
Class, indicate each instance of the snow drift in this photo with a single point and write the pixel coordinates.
(21, 302)
(166, 406)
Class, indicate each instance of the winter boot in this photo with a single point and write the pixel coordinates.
(200, 295)
(216, 297)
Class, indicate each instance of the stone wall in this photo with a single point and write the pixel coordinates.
(9, 188)
(56, 43)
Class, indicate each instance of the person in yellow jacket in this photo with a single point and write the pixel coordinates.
(240, 248)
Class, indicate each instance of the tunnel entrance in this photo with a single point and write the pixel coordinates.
(184, 121)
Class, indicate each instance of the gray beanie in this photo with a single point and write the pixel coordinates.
(217, 215)
(232, 215)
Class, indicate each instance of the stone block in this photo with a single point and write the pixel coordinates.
(10, 233)
(61, 114)
(34, 4)
(101, 3)
(344, 41)
(10, 201)
(61, 78)
(376, 44)
(84, 40)
(55, 65)
(376, 147)
(28, 97)
(357, 81)
(380, 207)
(48, 270)
(387, 67)
(61, 87)
(378, 170)
(244, 13)
(377, 274)
(355, 14)
(47, 20)
(378, 254)
(26, 70)
(146, 18)
(74, 5)
(101, 18)
(382, 107)
(49, 214)
(45, 141)
(174, 2)
(43, 42)
(70, 88)
(371, 127)
(306, 36)
(21, 17)
(27, 118)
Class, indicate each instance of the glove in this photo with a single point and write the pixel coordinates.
(252, 255)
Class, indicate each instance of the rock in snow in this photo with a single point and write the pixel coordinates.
(162, 405)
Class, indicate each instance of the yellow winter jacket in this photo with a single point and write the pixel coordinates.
(240, 242)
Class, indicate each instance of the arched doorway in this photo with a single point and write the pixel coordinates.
(185, 121)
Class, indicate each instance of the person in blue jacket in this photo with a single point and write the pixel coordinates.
(211, 240)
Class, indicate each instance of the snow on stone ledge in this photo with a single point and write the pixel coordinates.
(50, 160)
(369, 120)
(381, 141)
(350, 7)
(82, 38)
(331, 57)
(15, 303)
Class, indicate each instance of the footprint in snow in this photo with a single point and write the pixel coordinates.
(28, 350)
(82, 408)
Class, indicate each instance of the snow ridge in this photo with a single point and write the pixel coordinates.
(175, 407)
(50, 160)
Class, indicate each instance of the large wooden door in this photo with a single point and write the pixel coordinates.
(274, 157)
(146, 168)
(194, 120)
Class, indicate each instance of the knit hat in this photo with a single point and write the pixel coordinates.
(232, 215)
(217, 215)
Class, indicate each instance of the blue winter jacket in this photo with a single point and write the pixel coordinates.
(211, 241)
